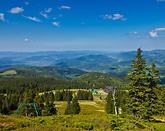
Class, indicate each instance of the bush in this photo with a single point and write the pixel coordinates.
(83, 125)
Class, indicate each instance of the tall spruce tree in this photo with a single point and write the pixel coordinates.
(74, 107)
(154, 78)
(141, 100)
(67, 110)
(109, 108)
(39, 103)
(156, 107)
(90, 96)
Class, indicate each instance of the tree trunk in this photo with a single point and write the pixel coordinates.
(114, 101)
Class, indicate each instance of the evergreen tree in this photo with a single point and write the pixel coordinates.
(39, 103)
(14, 101)
(49, 108)
(156, 107)
(27, 97)
(74, 107)
(90, 96)
(80, 95)
(85, 95)
(52, 109)
(4, 108)
(141, 98)
(67, 110)
(163, 95)
(109, 108)
(58, 96)
(121, 100)
(1, 102)
(154, 78)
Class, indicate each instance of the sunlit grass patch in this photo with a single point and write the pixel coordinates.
(87, 107)
(61, 105)
(9, 72)
(83, 102)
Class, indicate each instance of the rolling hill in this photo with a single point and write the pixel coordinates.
(101, 80)
(41, 83)
(54, 71)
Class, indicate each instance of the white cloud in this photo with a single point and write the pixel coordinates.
(64, 7)
(2, 17)
(153, 34)
(16, 10)
(117, 16)
(26, 40)
(26, 3)
(56, 23)
(134, 32)
(106, 16)
(60, 15)
(54, 18)
(114, 17)
(48, 10)
(32, 18)
(43, 14)
(160, 29)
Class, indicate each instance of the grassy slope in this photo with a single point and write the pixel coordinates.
(8, 72)
(91, 117)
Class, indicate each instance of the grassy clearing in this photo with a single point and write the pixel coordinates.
(96, 97)
(9, 72)
(87, 107)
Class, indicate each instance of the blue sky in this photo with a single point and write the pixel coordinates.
(59, 25)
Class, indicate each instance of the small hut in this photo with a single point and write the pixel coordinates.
(94, 92)
(108, 89)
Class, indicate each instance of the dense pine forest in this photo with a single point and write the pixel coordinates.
(136, 102)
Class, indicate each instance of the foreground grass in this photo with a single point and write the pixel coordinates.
(91, 117)
(77, 122)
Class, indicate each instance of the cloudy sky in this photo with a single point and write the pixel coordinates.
(59, 25)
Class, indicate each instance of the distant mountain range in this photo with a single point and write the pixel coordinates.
(116, 64)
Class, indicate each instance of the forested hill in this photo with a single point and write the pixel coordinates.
(53, 71)
(88, 80)
(100, 79)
